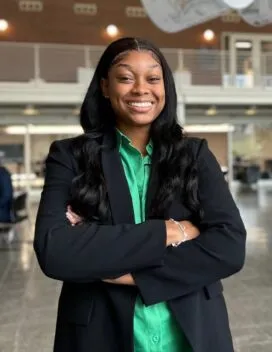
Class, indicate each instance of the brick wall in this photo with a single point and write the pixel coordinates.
(57, 23)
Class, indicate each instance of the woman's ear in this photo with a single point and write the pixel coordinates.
(104, 87)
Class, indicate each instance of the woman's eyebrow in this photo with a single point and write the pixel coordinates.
(127, 66)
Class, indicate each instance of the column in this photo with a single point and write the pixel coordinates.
(27, 158)
(181, 111)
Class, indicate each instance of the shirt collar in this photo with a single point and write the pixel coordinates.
(123, 141)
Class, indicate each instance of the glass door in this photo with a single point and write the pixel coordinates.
(266, 64)
(248, 58)
(242, 65)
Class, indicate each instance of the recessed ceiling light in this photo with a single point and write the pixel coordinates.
(112, 30)
(209, 35)
(30, 111)
(3, 25)
(212, 111)
(251, 111)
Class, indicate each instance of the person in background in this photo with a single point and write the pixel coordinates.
(6, 192)
(136, 219)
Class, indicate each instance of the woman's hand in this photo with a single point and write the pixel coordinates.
(191, 230)
(73, 217)
(122, 280)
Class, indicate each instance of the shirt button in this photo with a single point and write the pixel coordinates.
(155, 338)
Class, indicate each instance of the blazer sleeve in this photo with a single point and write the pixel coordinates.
(89, 251)
(218, 252)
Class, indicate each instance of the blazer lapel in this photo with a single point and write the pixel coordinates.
(117, 186)
(152, 187)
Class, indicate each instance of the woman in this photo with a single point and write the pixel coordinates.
(155, 227)
(6, 193)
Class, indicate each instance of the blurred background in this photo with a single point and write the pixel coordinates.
(220, 53)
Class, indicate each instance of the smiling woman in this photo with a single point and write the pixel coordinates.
(136, 219)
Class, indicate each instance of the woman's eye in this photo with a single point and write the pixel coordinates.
(125, 79)
(154, 79)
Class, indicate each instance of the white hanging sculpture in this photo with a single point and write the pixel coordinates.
(238, 5)
(259, 13)
(175, 15)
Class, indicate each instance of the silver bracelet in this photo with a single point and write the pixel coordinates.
(183, 231)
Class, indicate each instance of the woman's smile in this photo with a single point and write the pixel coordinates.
(140, 106)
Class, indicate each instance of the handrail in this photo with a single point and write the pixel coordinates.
(65, 63)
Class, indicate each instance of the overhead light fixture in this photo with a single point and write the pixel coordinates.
(30, 111)
(238, 4)
(251, 111)
(3, 25)
(208, 35)
(220, 128)
(243, 45)
(112, 30)
(212, 111)
(44, 129)
(76, 111)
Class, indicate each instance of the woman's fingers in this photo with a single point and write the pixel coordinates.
(72, 217)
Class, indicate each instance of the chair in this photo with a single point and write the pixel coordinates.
(250, 175)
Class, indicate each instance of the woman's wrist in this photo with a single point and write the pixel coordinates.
(173, 233)
(182, 230)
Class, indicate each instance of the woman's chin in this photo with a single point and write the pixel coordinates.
(141, 120)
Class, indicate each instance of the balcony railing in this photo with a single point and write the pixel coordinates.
(52, 63)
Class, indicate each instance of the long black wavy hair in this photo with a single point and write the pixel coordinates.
(172, 160)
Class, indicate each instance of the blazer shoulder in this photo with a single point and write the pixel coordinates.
(196, 145)
(62, 152)
(65, 144)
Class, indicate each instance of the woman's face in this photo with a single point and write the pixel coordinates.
(135, 88)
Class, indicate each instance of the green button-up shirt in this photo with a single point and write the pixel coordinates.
(155, 328)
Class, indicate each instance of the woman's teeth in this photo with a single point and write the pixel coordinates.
(142, 104)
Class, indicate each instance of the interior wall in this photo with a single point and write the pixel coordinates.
(57, 23)
(40, 146)
(255, 146)
(218, 144)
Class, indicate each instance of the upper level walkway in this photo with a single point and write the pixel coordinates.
(57, 74)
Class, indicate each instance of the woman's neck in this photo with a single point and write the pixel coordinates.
(139, 136)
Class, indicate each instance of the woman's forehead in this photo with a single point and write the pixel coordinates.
(135, 58)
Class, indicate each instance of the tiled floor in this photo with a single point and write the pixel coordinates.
(28, 300)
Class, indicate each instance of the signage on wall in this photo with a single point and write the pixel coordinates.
(176, 15)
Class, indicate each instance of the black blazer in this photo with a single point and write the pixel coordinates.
(94, 316)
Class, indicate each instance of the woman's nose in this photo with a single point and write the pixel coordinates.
(140, 88)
